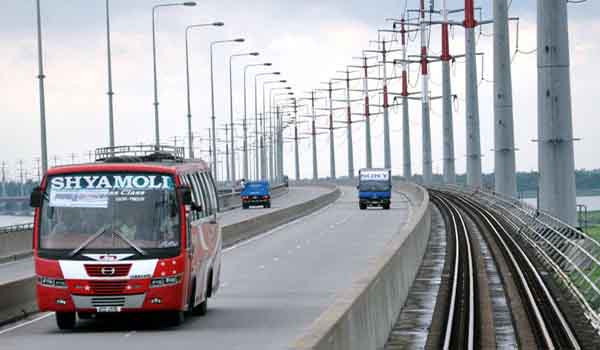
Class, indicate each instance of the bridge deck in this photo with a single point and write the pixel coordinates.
(272, 287)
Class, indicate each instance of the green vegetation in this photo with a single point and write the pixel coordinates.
(594, 231)
(587, 182)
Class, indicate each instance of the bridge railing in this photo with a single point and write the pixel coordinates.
(573, 255)
(16, 228)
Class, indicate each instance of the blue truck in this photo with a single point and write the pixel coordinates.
(256, 193)
(374, 188)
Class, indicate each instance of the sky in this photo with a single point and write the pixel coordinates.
(308, 41)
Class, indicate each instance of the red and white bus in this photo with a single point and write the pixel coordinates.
(135, 231)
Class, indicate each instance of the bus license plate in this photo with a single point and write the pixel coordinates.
(108, 309)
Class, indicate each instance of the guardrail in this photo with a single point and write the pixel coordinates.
(573, 255)
(16, 228)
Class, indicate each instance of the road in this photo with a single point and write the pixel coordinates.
(24, 268)
(273, 287)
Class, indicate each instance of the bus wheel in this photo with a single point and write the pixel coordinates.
(177, 318)
(386, 206)
(201, 308)
(65, 320)
(362, 206)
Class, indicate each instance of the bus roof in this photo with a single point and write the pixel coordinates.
(158, 167)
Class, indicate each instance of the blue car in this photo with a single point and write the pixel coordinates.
(256, 193)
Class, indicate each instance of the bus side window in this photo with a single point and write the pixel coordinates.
(211, 190)
(193, 214)
(198, 192)
(203, 194)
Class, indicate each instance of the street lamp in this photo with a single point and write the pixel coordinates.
(110, 93)
(245, 125)
(41, 77)
(187, 74)
(212, 98)
(270, 135)
(154, 8)
(256, 117)
(233, 177)
(263, 127)
(275, 135)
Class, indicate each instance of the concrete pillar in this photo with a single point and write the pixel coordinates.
(331, 136)
(314, 137)
(555, 125)
(472, 100)
(425, 113)
(504, 139)
(368, 149)
(448, 129)
(447, 120)
(349, 128)
(386, 115)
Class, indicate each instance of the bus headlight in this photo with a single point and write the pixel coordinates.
(165, 281)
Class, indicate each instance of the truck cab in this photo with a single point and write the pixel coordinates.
(374, 188)
(256, 193)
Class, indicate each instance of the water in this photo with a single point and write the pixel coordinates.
(592, 202)
(7, 220)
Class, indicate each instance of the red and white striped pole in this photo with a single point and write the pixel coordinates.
(447, 126)
(406, 164)
(427, 162)
(367, 113)
(472, 99)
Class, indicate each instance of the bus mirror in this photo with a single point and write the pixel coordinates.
(36, 198)
(186, 195)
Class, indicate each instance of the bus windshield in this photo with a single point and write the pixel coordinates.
(109, 211)
(374, 186)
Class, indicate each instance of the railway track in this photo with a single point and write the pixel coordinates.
(548, 324)
(460, 331)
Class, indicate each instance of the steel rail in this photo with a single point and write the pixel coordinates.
(449, 338)
(542, 324)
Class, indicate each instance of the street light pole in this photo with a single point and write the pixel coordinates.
(41, 77)
(233, 175)
(245, 126)
(256, 117)
(154, 9)
(271, 130)
(187, 75)
(212, 99)
(263, 127)
(111, 125)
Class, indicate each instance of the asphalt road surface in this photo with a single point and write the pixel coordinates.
(273, 287)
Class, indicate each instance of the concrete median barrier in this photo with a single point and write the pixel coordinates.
(362, 317)
(248, 228)
(18, 297)
(15, 245)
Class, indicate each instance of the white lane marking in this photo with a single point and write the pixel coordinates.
(261, 267)
(275, 259)
(129, 334)
(279, 228)
(46, 315)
